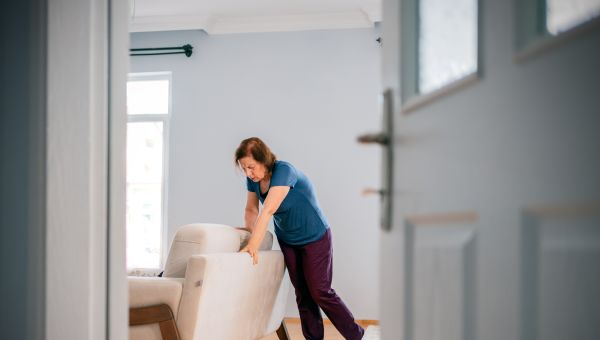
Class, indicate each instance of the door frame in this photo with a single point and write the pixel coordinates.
(86, 294)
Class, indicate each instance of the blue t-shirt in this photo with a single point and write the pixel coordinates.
(299, 219)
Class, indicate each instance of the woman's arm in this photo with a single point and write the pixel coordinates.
(251, 212)
(272, 202)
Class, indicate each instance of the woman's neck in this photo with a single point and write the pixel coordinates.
(264, 185)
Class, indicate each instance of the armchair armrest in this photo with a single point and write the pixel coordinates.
(150, 291)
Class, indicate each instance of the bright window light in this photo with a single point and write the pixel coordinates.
(148, 112)
(148, 97)
(447, 42)
(562, 15)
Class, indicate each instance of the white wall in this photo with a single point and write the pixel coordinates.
(308, 95)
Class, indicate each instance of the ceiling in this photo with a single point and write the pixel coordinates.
(245, 16)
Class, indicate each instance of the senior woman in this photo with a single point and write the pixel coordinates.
(302, 232)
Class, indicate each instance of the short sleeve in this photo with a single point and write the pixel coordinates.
(284, 175)
(250, 185)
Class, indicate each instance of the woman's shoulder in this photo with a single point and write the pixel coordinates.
(285, 168)
(283, 164)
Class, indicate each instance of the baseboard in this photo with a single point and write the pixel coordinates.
(363, 323)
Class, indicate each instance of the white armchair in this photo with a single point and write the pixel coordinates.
(209, 291)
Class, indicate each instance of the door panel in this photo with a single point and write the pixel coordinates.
(560, 273)
(443, 270)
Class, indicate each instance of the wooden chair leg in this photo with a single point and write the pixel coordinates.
(168, 330)
(160, 314)
(282, 332)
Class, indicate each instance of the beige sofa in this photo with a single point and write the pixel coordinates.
(212, 291)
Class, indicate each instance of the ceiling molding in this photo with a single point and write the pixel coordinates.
(360, 18)
(167, 23)
(373, 12)
(286, 23)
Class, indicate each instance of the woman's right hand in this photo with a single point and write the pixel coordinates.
(243, 228)
(252, 250)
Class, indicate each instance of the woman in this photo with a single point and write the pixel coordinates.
(302, 231)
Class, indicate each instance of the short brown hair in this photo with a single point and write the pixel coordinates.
(256, 148)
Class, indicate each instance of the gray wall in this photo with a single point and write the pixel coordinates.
(308, 95)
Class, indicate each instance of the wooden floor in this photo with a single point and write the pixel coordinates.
(295, 330)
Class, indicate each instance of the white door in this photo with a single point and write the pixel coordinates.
(495, 230)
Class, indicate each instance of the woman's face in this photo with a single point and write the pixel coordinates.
(252, 169)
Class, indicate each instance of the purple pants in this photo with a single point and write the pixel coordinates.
(310, 269)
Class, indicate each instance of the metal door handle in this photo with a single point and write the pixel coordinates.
(385, 139)
(373, 191)
(374, 138)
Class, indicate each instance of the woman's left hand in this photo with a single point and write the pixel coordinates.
(253, 251)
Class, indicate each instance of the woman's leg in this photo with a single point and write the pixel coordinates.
(317, 261)
(310, 315)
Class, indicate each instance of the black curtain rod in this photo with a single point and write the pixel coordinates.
(185, 49)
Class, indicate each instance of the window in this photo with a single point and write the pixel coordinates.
(148, 111)
(439, 44)
(147, 97)
(542, 21)
(562, 15)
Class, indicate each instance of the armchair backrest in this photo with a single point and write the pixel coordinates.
(205, 238)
